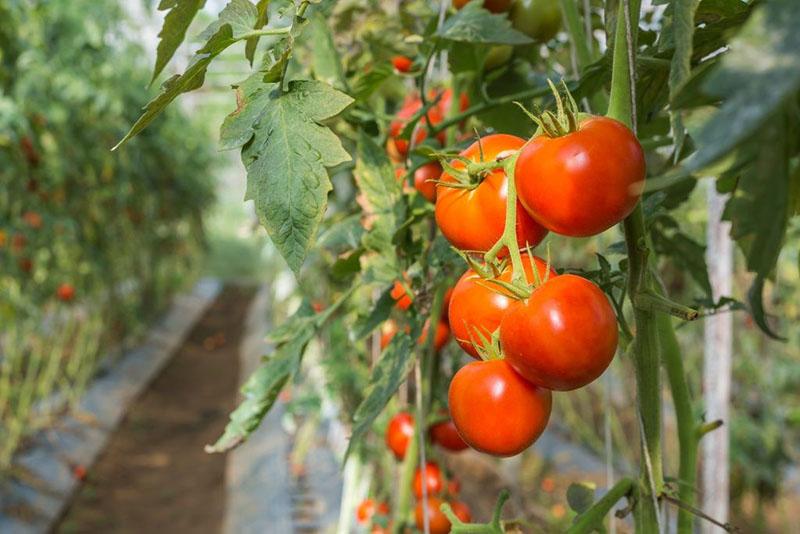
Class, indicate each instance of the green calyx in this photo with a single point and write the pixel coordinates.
(561, 122)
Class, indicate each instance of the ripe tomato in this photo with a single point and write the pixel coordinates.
(563, 336)
(538, 19)
(437, 521)
(495, 410)
(424, 178)
(32, 219)
(495, 6)
(402, 63)
(411, 106)
(441, 338)
(473, 219)
(446, 436)
(399, 433)
(431, 476)
(65, 292)
(478, 306)
(447, 100)
(402, 299)
(453, 487)
(462, 511)
(368, 508)
(584, 182)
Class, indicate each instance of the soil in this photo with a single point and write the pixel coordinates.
(153, 475)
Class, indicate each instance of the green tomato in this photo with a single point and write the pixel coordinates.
(498, 56)
(538, 19)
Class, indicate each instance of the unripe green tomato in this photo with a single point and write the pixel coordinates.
(498, 56)
(538, 19)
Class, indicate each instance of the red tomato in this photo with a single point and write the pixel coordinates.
(424, 178)
(368, 508)
(432, 477)
(473, 220)
(563, 336)
(399, 433)
(18, 242)
(437, 521)
(409, 109)
(453, 487)
(25, 265)
(584, 182)
(441, 338)
(402, 63)
(65, 292)
(495, 6)
(478, 306)
(402, 299)
(32, 219)
(462, 511)
(447, 99)
(495, 410)
(446, 436)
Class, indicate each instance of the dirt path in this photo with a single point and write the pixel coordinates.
(154, 475)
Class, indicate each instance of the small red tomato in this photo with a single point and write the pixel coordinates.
(437, 521)
(453, 487)
(441, 338)
(25, 265)
(432, 477)
(368, 508)
(18, 242)
(79, 473)
(462, 511)
(474, 219)
(477, 306)
(446, 436)
(424, 180)
(32, 219)
(584, 182)
(402, 63)
(563, 336)
(65, 292)
(402, 299)
(410, 108)
(399, 434)
(495, 410)
(318, 306)
(447, 100)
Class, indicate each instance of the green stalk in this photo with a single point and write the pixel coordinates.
(646, 343)
(577, 33)
(687, 434)
(592, 519)
(403, 508)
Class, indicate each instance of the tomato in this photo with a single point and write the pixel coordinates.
(431, 476)
(477, 306)
(65, 292)
(399, 433)
(32, 219)
(409, 108)
(584, 182)
(453, 487)
(447, 100)
(402, 63)
(563, 336)
(495, 410)
(495, 6)
(437, 521)
(424, 178)
(462, 511)
(473, 219)
(18, 242)
(402, 299)
(441, 337)
(368, 508)
(498, 56)
(538, 19)
(25, 265)
(446, 436)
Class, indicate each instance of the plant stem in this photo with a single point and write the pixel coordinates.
(403, 507)
(593, 518)
(578, 37)
(509, 237)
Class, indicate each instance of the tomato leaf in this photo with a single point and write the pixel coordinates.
(173, 32)
(473, 24)
(392, 369)
(286, 153)
(327, 66)
(261, 19)
(380, 312)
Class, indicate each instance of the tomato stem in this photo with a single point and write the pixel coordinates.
(652, 301)
(593, 517)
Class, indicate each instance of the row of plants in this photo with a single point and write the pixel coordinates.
(387, 157)
(92, 244)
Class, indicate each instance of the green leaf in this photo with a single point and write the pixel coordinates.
(327, 66)
(473, 24)
(580, 496)
(392, 369)
(263, 387)
(261, 19)
(286, 155)
(759, 210)
(240, 15)
(177, 21)
(364, 326)
(686, 253)
(368, 82)
(682, 19)
(755, 78)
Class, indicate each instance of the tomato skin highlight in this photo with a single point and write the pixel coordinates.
(584, 182)
(446, 436)
(495, 410)
(473, 220)
(424, 178)
(437, 521)
(562, 337)
(399, 433)
(433, 480)
(478, 306)
(402, 63)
